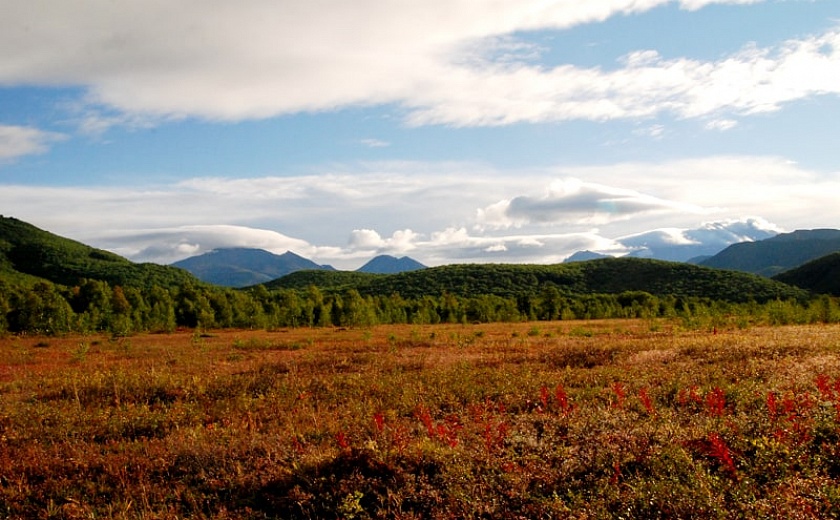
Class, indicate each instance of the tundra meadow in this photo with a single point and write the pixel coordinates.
(565, 419)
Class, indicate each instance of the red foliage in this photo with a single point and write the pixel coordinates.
(620, 394)
(562, 400)
(379, 421)
(446, 431)
(772, 406)
(647, 402)
(718, 449)
(716, 402)
(342, 440)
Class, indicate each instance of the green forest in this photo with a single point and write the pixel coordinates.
(52, 285)
(95, 306)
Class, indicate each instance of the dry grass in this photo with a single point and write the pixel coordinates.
(599, 419)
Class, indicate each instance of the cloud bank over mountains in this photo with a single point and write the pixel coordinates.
(437, 213)
(707, 240)
(452, 245)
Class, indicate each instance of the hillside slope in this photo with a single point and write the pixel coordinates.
(28, 252)
(820, 276)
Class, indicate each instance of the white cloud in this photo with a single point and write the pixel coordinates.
(727, 184)
(652, 131)
(721, 124)
(375, 143)
(367, 242)
(453, 62)
(693, 5)
(752, 81)
(572, 201)
(365, 239)
(17, 141)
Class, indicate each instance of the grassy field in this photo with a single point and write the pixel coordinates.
(609, 419)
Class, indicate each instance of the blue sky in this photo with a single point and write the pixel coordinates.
(446, 130)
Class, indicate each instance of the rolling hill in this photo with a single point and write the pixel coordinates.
(28, 253)
(777, 254)
(820, 276)
(612, 275)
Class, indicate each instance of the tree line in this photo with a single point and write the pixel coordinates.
(96, 306)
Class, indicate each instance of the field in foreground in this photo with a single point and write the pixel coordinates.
(610, 419)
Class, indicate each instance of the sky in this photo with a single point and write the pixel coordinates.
(449, 131)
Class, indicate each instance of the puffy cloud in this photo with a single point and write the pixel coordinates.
(453, 62)
(17, 141)
(368, 240)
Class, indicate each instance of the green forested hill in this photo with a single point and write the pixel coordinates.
(328, 280)
(820, 276)
(611, 276)
(27, 251)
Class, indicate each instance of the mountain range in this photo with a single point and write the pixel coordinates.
(29, 254)
(243, 267)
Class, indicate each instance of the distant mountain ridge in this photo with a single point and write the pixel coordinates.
(584, 256)
(387, 264)
(242, 267)
(774, 255)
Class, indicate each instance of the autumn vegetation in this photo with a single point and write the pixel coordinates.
(639, 418)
